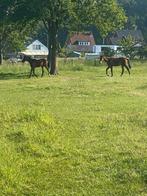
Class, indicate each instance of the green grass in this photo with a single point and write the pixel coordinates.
(79, 133)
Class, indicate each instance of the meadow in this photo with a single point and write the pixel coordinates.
(79, 133)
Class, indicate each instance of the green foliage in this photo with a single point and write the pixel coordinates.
(108, 52)
(12, 38)
(142, 52)
(112, 17)
(12, 33)
(64, 52)
(129, 49)
(136, 11)
(98, 13)
(79, 133)
(128, 46)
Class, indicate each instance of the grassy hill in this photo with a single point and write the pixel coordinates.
(78, 133)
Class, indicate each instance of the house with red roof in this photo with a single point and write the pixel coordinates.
(81, 42)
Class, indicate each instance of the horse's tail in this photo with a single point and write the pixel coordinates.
(129, 63)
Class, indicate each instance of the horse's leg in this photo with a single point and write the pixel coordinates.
(127, 69)
(31, 72)
(47, 69)
(111, 71)
(122, 70)
(42, 72)
(107, 71)
(34, 72)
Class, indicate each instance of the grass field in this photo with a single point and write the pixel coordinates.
(79, 133)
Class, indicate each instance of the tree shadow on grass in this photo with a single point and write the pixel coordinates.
(17, 137)
(10, 76)
(142, 87)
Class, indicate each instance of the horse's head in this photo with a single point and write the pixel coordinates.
(25, 58)
(101, 58)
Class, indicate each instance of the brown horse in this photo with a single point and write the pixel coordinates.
(114, 61)
(36, 63)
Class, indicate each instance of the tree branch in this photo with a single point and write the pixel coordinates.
(46, 26)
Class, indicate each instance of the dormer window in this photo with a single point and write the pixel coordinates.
(36, 47)
(84, 43)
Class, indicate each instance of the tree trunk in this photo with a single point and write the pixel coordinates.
(52, 32)
(53, 49)
(49, 45)
(1, 57)
(49, 51)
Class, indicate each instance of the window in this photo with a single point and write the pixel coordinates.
(36, 47)
(84, 43)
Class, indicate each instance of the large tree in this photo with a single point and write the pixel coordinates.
(53, 14)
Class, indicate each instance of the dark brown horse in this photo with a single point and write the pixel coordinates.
(116, 61)
(36, 63)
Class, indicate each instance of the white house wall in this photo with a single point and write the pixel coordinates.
(30, 51)
(98, 48)
(31, 46)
